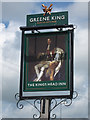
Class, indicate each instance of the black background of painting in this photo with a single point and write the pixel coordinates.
(38, 44)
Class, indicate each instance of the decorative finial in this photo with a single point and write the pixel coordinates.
(47, 10)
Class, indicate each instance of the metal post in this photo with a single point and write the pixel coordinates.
(45, 109)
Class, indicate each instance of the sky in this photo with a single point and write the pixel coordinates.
(14, 16)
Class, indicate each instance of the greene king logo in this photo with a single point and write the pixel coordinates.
(47, 18)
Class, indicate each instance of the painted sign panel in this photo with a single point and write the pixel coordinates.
(46, 62)
(57, 18)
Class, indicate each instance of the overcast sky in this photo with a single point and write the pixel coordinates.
(14, 16)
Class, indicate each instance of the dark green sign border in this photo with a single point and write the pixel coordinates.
(46, 88)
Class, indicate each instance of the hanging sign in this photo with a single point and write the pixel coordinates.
(46, 57)
(46, 62)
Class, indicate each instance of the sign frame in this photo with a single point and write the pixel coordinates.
(70, 96)
(59, 83)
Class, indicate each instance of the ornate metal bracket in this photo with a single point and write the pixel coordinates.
(34, 104)
(65, 101)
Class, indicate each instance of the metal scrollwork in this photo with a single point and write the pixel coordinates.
(38, 102)
(57, 103)
(35, 116)
(17, 96)
(75, 95)
(19, 105)
(67, 102)
(53, 116)
(34, 104)
(64, 101)
(54, 103)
